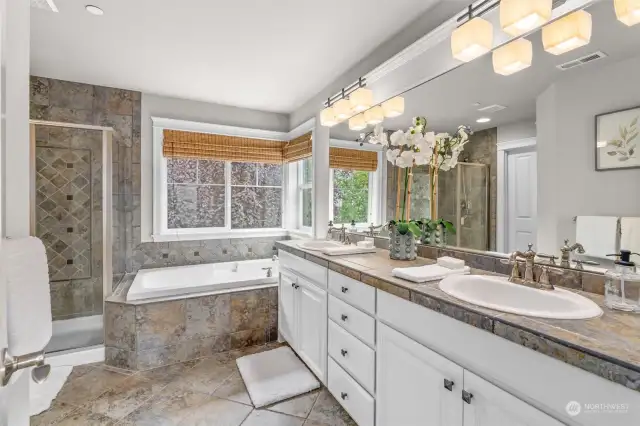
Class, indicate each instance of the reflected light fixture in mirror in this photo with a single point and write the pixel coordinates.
(518, 17)
(357, 122)
(472, 40)
(568, 33)
(361, 99)
(342, 109)
(513, 57)
(374, 115)
(328, 117)
(628, 11)
(394, 107)
(483, 120)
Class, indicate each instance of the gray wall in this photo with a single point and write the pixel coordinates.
(517, 131)
(568, 184)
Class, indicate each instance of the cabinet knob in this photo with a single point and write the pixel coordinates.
(466, 396)
(344, 317)
(345, 289)
(297, 286)
(293, 285)
(344, 396)
(448, 384)
(344, 352)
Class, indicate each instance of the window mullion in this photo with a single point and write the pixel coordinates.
(227, 195)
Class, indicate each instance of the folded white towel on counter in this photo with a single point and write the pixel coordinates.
(597, 234)
(336, 251)
(630, 239)
(421, 274)
(29, 324)
(451, 262)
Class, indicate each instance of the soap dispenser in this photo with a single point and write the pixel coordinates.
(622, 284)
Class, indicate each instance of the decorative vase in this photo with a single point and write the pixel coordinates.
(401, 247)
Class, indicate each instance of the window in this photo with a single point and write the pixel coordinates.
(305, 192)
(221, 195)
(350, 190)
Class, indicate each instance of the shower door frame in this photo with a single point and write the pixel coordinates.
(486, 197)
(107, 205)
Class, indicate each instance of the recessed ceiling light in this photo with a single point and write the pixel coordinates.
(483, 120)
(94, 10)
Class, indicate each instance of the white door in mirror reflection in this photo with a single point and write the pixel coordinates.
(522, 203)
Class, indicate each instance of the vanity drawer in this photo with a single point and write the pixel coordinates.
(358, 403)
(313, 272)
(354, 356)
(354, 321)
(353, 292)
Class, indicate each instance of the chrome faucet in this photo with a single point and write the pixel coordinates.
(330, 231)
(372, 229)
(566, 250)
(529, 276)
(269, 271)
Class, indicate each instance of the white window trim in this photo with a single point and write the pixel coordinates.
(161, 232)
(299, 188)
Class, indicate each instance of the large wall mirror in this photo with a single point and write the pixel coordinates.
(554, 151)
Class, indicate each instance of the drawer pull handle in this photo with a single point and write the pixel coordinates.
(448, 384)
(344, 352)
(293, 285)
(345, 289)
(466, 396)
(296, 286)
(344, 396)
(344, 317)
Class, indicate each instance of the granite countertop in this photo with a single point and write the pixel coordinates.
(608, 346)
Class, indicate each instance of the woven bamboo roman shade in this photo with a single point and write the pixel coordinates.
(298, 148)
(353, 159)
(182, 144)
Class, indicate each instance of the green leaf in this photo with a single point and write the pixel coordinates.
(612, 153)
(623, 158)
(632, 151)
(414, 229)
(403, 228)
(632, 137)
(617, 143)
(634, 122)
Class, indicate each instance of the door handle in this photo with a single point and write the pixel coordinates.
(9, 365)
(466, 396)
(448, 384)
(344, 317)
(344, 289)
(293, 285)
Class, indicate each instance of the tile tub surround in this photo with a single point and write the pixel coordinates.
(608, 346)
(209, 391)
(142, 335)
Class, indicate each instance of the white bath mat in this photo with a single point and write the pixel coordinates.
(275, 375)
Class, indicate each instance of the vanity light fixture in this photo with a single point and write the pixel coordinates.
(472, 40)
(94, 10)
(483, 120)
(328, 117)
(394, 107)
(513, 57)
(567, 33)
(628, 11)
(361, 99)
(518, 17)
(342, 108)
(374, 115)
(357, 122)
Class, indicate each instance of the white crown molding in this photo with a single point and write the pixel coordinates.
(303, 128)
(520, 143)
(218, 129)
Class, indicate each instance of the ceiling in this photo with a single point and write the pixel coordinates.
(268, 55)
(448, 101)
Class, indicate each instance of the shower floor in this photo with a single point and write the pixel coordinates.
(76, 333)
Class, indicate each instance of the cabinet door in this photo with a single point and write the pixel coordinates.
(312, 327)
(410, 384)
(491, 406)
(286, 308)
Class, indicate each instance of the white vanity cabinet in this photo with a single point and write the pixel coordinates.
(302, 311)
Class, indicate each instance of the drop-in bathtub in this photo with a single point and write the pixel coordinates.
(196, 279)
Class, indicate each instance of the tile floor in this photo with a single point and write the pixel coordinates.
(205, 392)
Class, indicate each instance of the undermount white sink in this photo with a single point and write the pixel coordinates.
(318, 245)
(501, 295)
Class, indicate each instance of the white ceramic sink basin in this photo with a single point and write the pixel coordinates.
(501, 295)
(318, 245)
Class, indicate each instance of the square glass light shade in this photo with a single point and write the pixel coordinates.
(342, 109)
(628, 11)
(361, 99)
(472, 40)
(357, 122)
(374, 115)
(513, 57)
(518, 17)
(394, 107)
(568, 33)
(328, 117)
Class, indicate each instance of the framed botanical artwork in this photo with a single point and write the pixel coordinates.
(617, 140)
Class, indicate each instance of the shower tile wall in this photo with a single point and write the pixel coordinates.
(69, 217)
